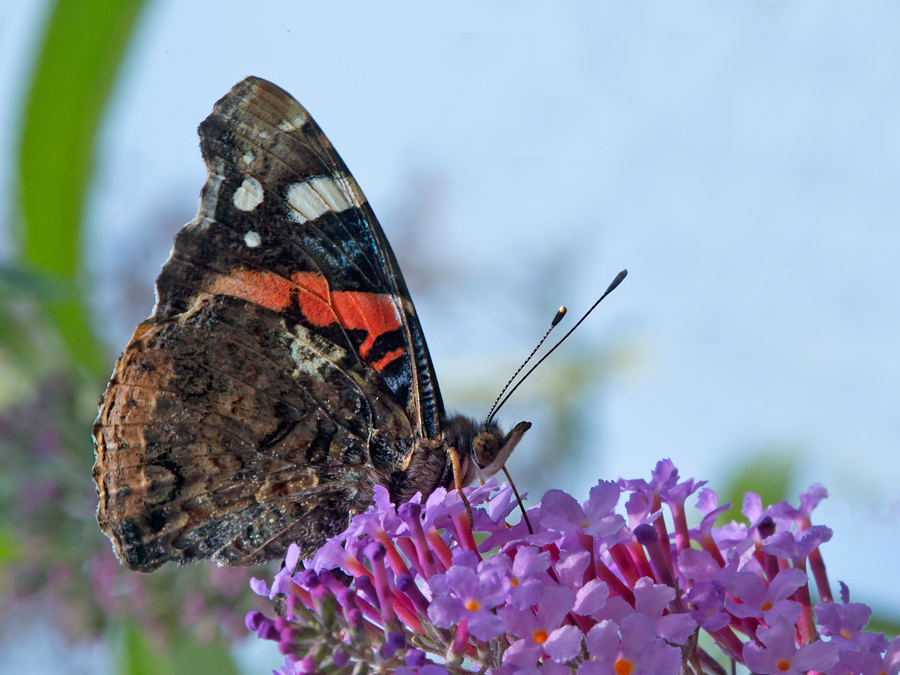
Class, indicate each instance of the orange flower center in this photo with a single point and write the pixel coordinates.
(766, 606)
(540, 637)
(623, 667)
(783, 665)
(472, 605)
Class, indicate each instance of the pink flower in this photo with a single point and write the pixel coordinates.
(583, 593)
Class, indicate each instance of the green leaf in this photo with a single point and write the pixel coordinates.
(769, 475)
(136, 657)
(10, 548)
(29, 346)
(16, 280)
(81, 53)
(890, 626)
(190, 657)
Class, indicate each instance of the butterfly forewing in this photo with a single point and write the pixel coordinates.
(246, 412)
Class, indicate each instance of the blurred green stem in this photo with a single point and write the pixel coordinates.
(76, 66)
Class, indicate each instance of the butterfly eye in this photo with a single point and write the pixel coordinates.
(485, 448)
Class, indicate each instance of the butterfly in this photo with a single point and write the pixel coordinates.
(283, 372)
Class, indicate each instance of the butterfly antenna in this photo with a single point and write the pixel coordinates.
(496, 407)
(560, 313)
(615, 282)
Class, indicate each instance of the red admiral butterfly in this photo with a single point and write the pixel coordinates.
(283, 371)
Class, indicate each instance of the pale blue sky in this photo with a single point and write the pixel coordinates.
(741, 159)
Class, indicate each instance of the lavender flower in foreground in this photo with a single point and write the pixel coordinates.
(420, 589)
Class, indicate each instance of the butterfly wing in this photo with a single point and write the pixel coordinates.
(283, 370)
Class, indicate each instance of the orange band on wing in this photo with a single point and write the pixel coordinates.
(261, 288)
(374, 313)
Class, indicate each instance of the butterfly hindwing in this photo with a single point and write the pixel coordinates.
(249, 410)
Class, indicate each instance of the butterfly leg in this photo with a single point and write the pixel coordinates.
(458, 481)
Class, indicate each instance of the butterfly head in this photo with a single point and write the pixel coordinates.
(492, 448)
(483, 448)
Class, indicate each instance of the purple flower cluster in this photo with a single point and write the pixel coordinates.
(421, 588)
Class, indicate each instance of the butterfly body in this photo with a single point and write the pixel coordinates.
(283, 372)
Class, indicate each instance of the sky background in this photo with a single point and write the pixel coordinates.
(740, 159)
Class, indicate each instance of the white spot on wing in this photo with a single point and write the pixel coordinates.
(318, 195)
(249, 195)
(248, 158)
(252, 239)
(289, 125)
(208, 198)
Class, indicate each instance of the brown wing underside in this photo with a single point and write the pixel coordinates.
(216, 439)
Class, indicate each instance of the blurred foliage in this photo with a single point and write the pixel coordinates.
(137, 655)
(79, 58)
(890, 626)
(52, 554)
(29, 347)
(769, 472)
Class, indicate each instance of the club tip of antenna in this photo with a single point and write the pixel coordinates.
(615, 282)
(561, 312)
